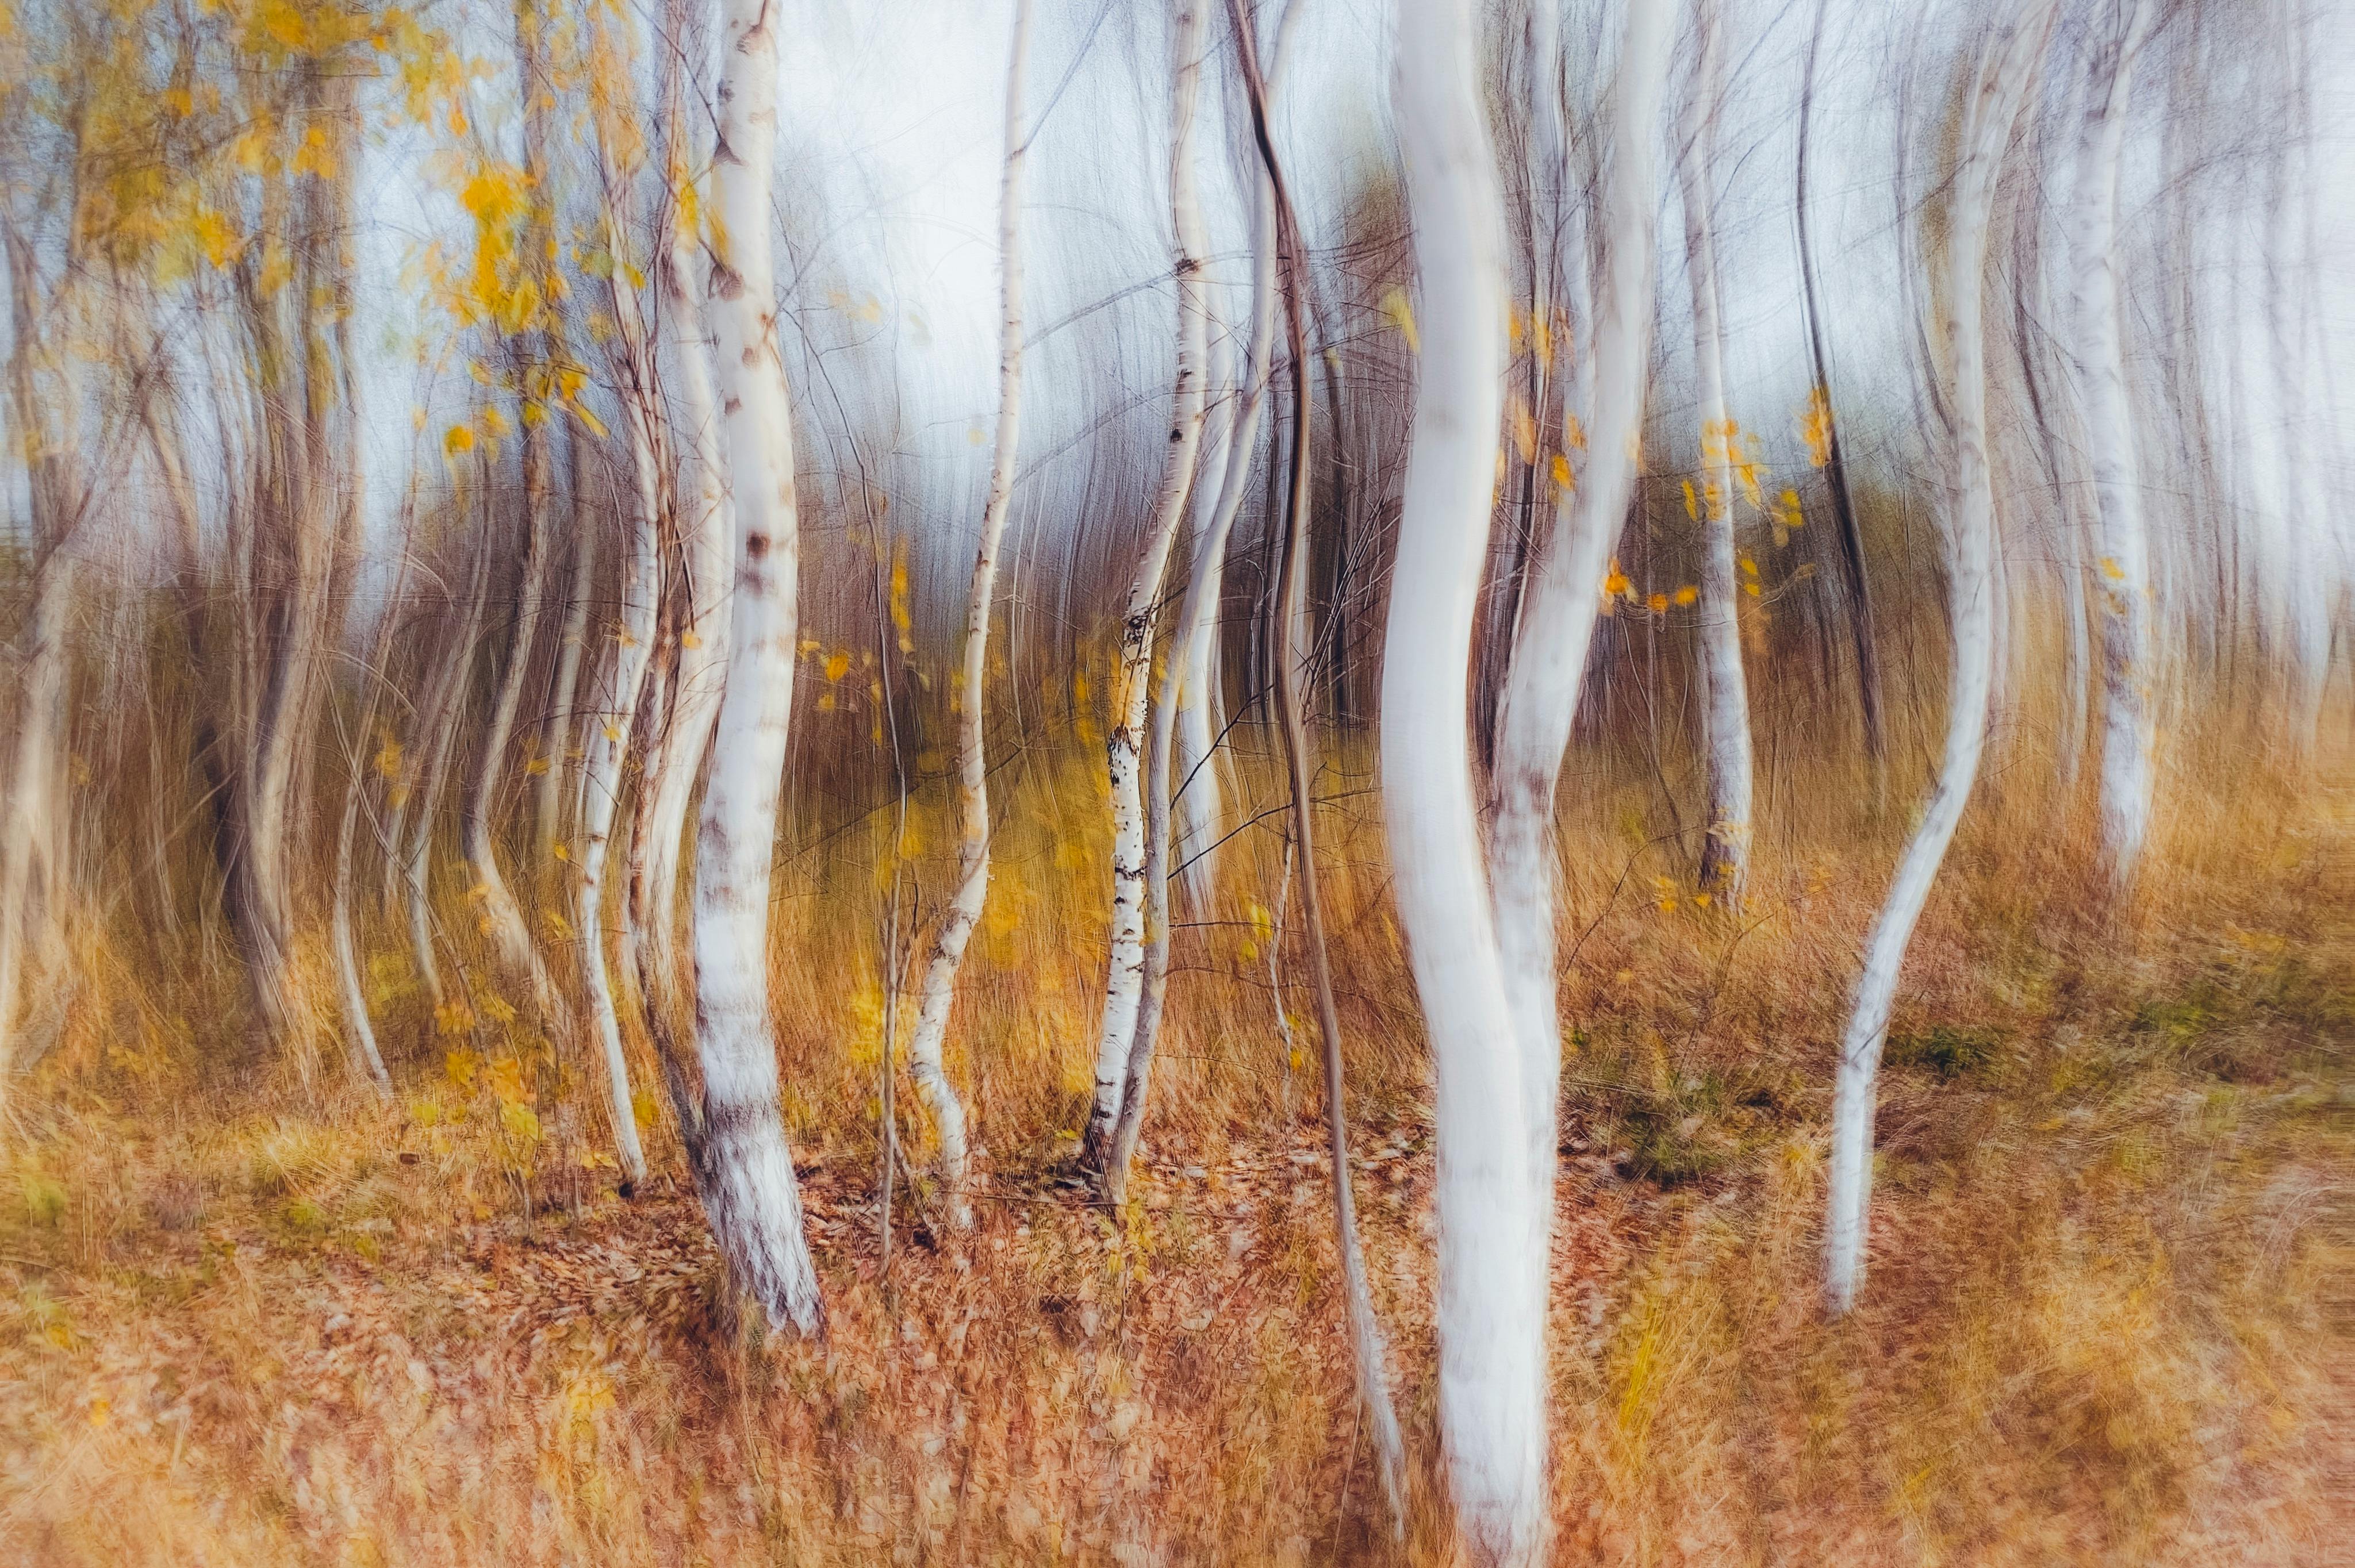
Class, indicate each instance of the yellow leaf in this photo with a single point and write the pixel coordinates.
(460, 438)
(1561, 470)
(536, 766)
(521, 1121)
(1396, 306)
(2112, 570)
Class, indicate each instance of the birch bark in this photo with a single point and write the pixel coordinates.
(1725, 708)
(1565, 593)
(706, 538)
(925, 1054)
(1124, 983)
(2007, 67)
(1492, 1384)
(744, 1167)
(2128, 726)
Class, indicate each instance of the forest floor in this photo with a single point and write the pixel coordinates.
(2111, 1315)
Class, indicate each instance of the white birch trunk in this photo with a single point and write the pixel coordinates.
(925, 1054)
(1565, 593)
(1492, 1369)
(1725, 708)
(561, 724)
(609, 728)
(2005, 71)
(707, 546)
(2128, 726)
(1123, 985)
(502, 918)
(1195, 715)
(1198, 803)
(743, 1167)
(25, 811)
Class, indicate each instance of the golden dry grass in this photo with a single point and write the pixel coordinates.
(247, 1322)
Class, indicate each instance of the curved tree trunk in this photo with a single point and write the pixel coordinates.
(743, 1167)
(561, 727)
(502, 918)
(1565, 593)
(1125, 982)
(924, 1056)
(359, 1034)
(1492, 1377)
(1369, 1354)
(1197, 799)
(437, 744)
(2005, 71)
(707, 535)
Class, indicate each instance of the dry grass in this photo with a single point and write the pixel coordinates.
(245, 1321)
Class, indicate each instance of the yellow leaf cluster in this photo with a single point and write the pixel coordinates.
(1816, 428)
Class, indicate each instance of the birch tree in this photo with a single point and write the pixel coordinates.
(1566, 590)
(743, 1167)
(1196, 802)
(2005, 71)
(1492, 1383)
(2128, 724)
(924, 1058)
(1725, 703)
(26, 817)
(612, 720)
(1125, 982)
(502, 917)
(705, 534)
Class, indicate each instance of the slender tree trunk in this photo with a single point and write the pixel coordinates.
(1725, 714)
(502, 918)
(743, 1167)
(924, 1059)
(359, 1034)
(26, 819)
(1565, 593)
(437, 743)
(1124, 983)
(26, 814)
(613, 723)
(1492, 1379)
(707, 536)
(2006, 70)
(559, 728)
(1197, 802)
(1367, 1352)
(2129, 725)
